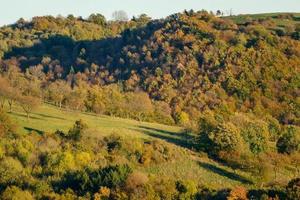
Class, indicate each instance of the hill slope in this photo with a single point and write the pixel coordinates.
(189, 164)
(192, 61)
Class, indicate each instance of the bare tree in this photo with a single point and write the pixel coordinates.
(29, 103)
(120, 15)
(8, 93)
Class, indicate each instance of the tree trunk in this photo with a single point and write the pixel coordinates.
(10, 103)
(2, 104)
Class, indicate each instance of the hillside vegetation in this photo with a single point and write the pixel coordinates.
(225, 88)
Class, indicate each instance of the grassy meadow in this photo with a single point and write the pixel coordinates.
(240, 19)
(189, 165)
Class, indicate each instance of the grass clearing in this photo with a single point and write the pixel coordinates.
(240, 19)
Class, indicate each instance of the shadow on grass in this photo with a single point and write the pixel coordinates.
(25, 116)
(222, 172)
(183, 139)
(49, 116)
(35, 130)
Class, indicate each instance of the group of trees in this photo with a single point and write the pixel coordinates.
(12, 92)
(246, 143)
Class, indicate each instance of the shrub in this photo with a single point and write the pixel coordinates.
(6, 126)
(293, 189)
(76, 132)
(12, 172)
(238, 193)
(113, 142)
(226, 137)
(78, 129)
(135, 180)
(289, 142)
(89, 180)
(182, 118)
(114, 176)
(256, 135)
(187, 190)
(102, 194)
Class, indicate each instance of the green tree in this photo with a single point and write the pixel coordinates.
(293, 189)
(226, 137)
(256, 135)
(97, 19)
(12, 172)
(15, 193)
(289, 142)
(77, 131)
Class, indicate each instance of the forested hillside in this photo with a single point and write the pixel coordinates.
(231, 82)
(190, 61)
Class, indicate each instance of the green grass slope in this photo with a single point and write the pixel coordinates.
(276, 17)
(190, 165)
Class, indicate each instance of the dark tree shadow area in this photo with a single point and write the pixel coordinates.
(183, 139)
(49, 116)
(225, 173)
(64, 51)
(35, 130)
(25, 116)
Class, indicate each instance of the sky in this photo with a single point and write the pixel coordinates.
(12, 10)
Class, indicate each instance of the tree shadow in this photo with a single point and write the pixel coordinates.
(35, 130)
(222, 172)
(25, 116)
(49, 116)
(183, 139)
(64, 51)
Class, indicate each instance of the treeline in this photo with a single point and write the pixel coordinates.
(29, 92)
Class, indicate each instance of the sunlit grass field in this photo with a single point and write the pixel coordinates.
(239, 19)
(48, 118)
(190, 165)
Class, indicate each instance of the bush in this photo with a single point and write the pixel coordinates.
(76, 132)
(114, 176)
(12, 172)
(15, 193)
(135, 180)
(113, 142)
(6, 126)
(238, 193)
(186, 189)
(256, 135)
(293, 189)
(89, 180)
(182, 118)
(226, 137)
(289, 142)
